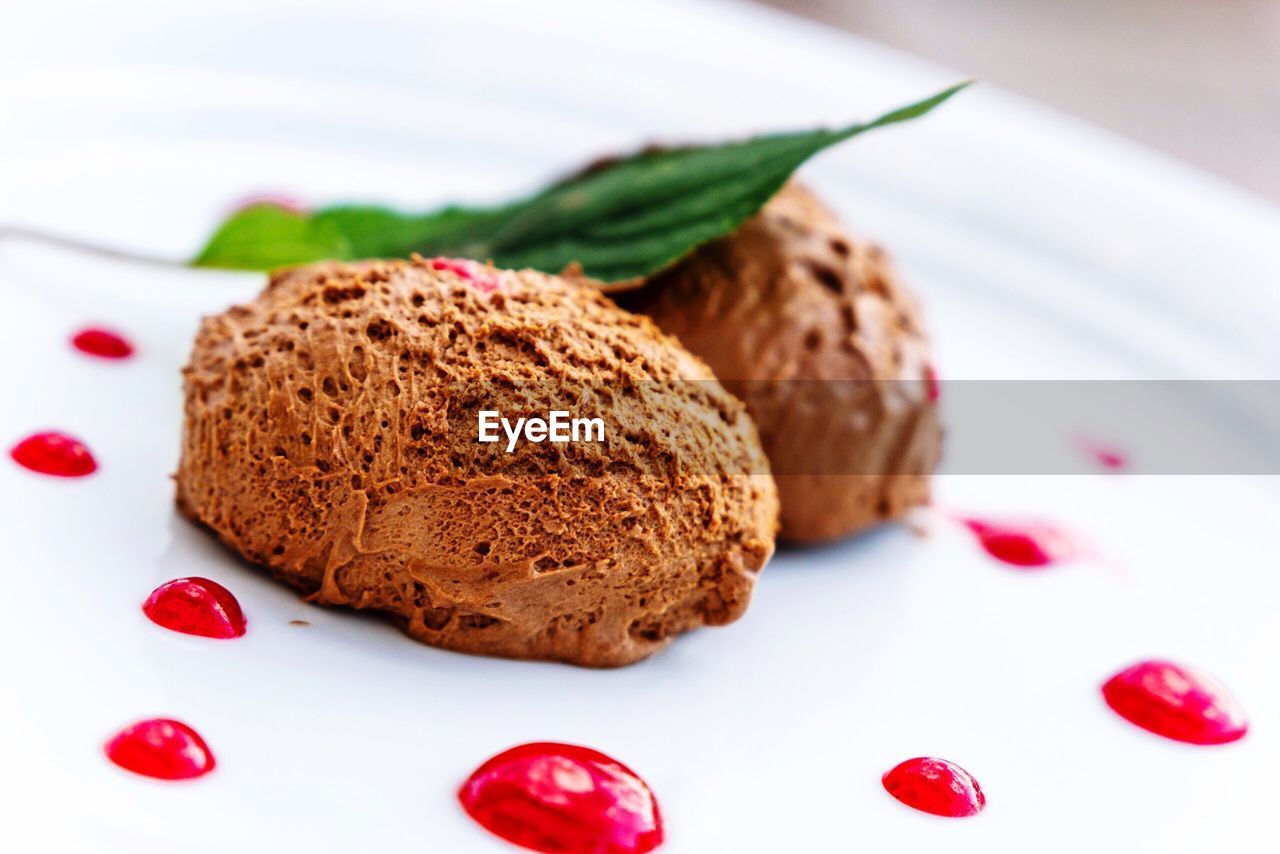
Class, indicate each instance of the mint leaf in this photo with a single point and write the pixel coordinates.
(377, 232)
(620, 220)
(265, 236)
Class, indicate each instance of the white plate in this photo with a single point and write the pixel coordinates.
(1042, 249)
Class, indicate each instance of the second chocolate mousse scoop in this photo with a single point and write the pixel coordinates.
(812, 330)
(331, 436)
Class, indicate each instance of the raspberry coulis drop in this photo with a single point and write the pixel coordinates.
(932, 387)
(1030, 545)
(271, 200)
(483, 280)
(1107, 457)
(195, 606)
(54, 453)
(935, 786)
(161, 748)
(102, 343)
(546, 796)
(1176, 702)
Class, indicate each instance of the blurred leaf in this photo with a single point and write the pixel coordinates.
(264, 236)
(619, 220)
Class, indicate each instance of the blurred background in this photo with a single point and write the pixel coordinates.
(1198, 79)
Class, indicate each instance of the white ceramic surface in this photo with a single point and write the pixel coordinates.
(1042, 249)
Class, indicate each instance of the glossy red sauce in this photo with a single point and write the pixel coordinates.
(102, 343)
(275, 200)
(1176, 702)
(1029, 545)
(479, 276)
(54, 453)
(1107, 457)
(935, 786)
(932, 388)
(195, 606)
(161, 748)
(546, 796)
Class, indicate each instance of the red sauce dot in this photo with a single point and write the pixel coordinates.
(103, 343)
(932, 388)
(563, 798)
(273, 200)
(195, 606)
(483, 280)
(54, 453)
(1027, 545)
(935, 786)
(1176, 702)
(1106, 456)
(162, 748)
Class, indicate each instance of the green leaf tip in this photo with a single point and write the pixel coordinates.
(622, 220)
(919, 108)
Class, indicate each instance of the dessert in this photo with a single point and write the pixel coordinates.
(811, 329)
(330, 435)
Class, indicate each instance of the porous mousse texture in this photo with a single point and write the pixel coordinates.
(811, 328)
(330, 435)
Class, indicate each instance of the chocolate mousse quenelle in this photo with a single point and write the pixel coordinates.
(811, 329)
(385, 435)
